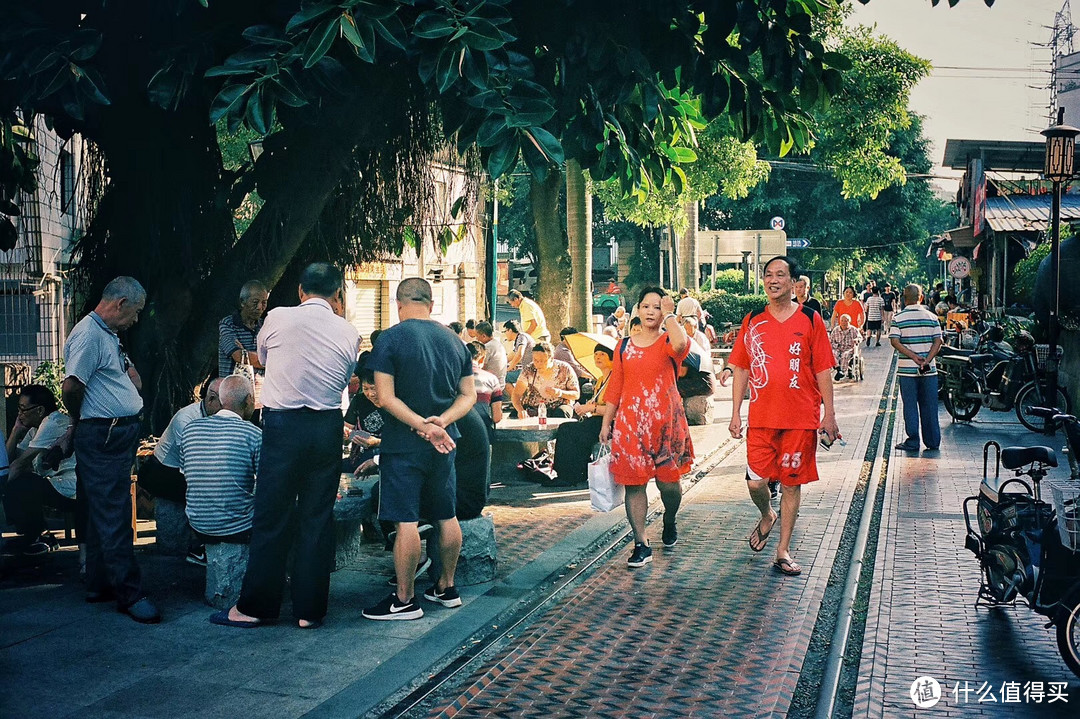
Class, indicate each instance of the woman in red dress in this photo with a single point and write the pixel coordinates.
(644, 418)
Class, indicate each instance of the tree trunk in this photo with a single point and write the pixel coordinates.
(688, 249)
(182, 246)
(579, 234)
(553, 254)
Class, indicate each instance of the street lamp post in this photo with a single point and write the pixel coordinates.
(1058, 168)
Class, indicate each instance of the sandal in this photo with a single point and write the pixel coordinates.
(788, 567)
(758, 539)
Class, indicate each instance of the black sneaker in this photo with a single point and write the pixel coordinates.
(420, 569)
(670, 536)
(42, 545)
(641, 556)
(774, 489)
(391, 609)
(447, 597)
(196, 557)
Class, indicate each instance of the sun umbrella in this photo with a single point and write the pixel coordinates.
(583, 344)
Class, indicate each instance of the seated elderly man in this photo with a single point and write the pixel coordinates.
(160, 474)
(219, 456)
(33, 484)
(844, 338)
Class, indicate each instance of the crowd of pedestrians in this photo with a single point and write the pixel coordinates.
(257, 459)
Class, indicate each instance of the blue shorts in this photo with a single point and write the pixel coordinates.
(512, 376)
(418, 484)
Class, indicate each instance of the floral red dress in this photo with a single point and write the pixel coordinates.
(650, 437)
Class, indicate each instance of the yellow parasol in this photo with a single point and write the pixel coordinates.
(583, 344)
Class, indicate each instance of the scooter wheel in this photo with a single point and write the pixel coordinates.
(1068, 631)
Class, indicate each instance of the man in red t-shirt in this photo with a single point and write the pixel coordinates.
(783, 355)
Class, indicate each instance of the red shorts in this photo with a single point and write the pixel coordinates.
(788, 455)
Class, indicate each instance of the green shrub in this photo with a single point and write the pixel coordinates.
(1023, 275)
(730, 280)
(51, 374)
(726, 307)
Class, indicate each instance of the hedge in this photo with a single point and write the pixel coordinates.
(726, 307)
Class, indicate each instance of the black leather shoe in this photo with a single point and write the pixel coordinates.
(105, 595)
(143, 611)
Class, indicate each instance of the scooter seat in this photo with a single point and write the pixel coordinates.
(1016, 457)
(980, 358)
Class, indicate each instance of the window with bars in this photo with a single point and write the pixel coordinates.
(67, 183)
(20, 321)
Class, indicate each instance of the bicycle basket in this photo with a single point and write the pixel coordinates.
(1042, 352)
(1065, 498)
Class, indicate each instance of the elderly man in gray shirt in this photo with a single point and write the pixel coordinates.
(101, 393)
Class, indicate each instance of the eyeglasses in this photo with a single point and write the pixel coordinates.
(31, 408)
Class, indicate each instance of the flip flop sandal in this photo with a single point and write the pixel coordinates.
(758, 539)
(788, 567)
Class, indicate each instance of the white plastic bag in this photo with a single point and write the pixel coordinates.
(604, 494)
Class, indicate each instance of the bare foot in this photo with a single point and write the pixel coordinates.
(236, 615)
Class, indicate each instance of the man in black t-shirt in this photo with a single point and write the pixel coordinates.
(424, 383)
(889, 298)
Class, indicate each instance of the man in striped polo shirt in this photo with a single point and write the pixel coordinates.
(219, 456)
(916, 335)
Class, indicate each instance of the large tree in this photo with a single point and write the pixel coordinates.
(353, 100)
(884, 237)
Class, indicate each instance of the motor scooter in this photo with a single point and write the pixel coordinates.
(999, 378)
(1028, 548)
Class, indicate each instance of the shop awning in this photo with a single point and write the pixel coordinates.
(1028, 213)
(962, 238)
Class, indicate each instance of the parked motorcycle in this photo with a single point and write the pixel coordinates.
(1029, 548)
(1000, 378)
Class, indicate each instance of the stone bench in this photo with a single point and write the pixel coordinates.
(171, 535)
(225, 568)
(353, 508)
(699, 410)
(479, 556)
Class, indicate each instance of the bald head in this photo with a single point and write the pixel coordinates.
(237, 395)
(912, 294)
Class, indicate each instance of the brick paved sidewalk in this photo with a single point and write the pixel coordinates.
(60, 657)
(708, 629)
(922, 616)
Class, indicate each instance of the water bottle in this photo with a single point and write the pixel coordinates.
(541, 415)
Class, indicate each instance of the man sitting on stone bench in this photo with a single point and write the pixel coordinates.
(219, 456)
(160, 474)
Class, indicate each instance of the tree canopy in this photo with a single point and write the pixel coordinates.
(882, 237)
(353, 100)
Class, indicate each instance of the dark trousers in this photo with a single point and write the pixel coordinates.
(299, 472)
(25, 499)
(161, 481)
(919, 395)
(105, 455)
(573, 445)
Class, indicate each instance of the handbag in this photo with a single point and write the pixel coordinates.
(604, 494)
(244, 368)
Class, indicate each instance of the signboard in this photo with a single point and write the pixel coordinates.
(798, 243)
(777, 223)
(959, 267)
(729, 245)
(503, 281)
